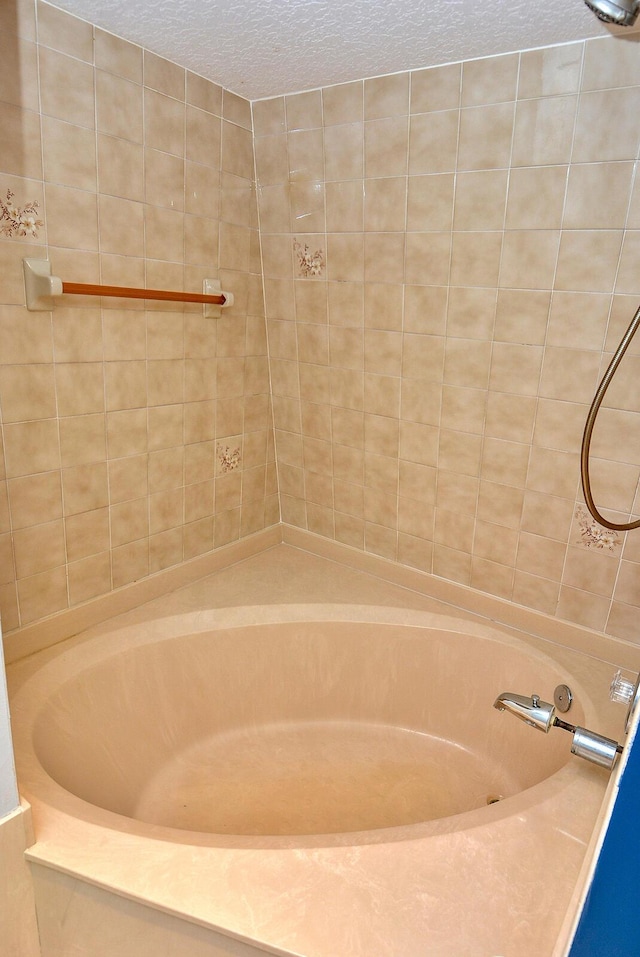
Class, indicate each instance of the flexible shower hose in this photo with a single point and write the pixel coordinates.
(591, 421)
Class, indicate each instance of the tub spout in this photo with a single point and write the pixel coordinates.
(542, 715)
(534, 712)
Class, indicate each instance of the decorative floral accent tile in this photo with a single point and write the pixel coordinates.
(309, 263)
(19, 220)
(228, 458)
(593, 535)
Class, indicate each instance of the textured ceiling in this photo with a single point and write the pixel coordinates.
(261, 48)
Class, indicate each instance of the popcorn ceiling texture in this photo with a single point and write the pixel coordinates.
(260, 49)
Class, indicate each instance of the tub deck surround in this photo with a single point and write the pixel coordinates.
(496, 880)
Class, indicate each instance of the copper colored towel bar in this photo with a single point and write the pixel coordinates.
(127, 292)
(41, 288)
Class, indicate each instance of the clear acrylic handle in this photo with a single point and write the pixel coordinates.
(621, 690)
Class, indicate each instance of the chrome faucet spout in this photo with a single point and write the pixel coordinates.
(542, 715)
(532, 710)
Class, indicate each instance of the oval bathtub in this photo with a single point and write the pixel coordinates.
(212, 729)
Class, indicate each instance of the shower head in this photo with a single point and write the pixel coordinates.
(624, 13)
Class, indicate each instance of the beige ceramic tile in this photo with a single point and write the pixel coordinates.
(164, 76)
(526, 186)
(236, 109)
(85, 487)
(598, 196)
(547, 515)
(164, 120)
(69, 154)
(305, 152)
(587, 260)
(130, 562)
(430, 202)
(203, 134)
(510, 416)
(529, 258)
(65, 33)
(603, 128)
(581, 607)
(475, 258)
(82, 439)
(120, 168)
(19, 20)
(268, 116)
(504, 462)
(425, 309)
(343, 103)
(543, 131)
(35, 499)
(386, 250)
(569, 374)
(522, 316)
(67, 88)
(428, 258)
(79, 388)
(344, 151)
(460, 451)
(127, 478)
(121, 226)
(31, 447)
(38, 548)
(118, 56)
(119, 107)
(550, 71)
(42, 595)
(164, 234)
(608, 64)
(27, 392)
(540, 556)
(437, 88)
(480, 199)
(386, 147)
(578, 317)
(237, 150)
(87, 534)
(345, 256)
(467, 363)
(202, 190)
(304, 110)
(89, 578)
(386, 96)
(272, 160)
(489, 80)
(71, 212)
(204, 94)
(385, 204)
(485, 136)
(500, 504)
(627, 281)
(433, 142)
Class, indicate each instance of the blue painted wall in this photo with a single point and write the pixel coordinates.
(610, 922)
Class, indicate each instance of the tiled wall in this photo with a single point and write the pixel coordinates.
(449, 260)
(133, 438)
(450, 256)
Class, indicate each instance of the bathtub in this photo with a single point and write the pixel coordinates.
(329, 780)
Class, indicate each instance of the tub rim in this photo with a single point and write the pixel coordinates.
(30, 677)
